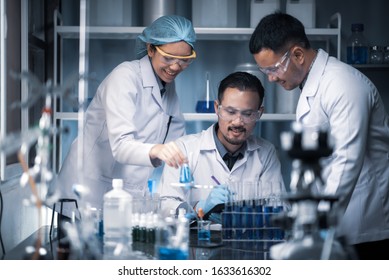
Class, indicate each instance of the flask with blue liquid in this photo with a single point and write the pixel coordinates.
(357, 47)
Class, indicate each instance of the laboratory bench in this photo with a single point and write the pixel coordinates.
(216, 249)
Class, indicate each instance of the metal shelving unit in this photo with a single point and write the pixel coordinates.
(215, 34)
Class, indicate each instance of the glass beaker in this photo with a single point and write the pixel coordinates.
(206, 105)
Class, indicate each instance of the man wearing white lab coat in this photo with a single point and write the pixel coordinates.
(238, 108)
(341, 100)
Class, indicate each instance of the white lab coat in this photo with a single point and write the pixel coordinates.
(125, 119)
(260, 162)
(340, 99)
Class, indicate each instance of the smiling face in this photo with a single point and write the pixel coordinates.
(167, 72)
(234, 131)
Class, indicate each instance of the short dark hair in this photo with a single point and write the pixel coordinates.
(242, 81)
(278, 32)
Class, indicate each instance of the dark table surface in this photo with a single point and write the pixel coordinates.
(216, 249)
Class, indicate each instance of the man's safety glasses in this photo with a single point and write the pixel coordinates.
(231, 114)
(279, 68)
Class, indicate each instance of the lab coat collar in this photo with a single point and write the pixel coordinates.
(311, 85)
(150, 79)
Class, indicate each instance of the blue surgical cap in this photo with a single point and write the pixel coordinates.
(165, 30)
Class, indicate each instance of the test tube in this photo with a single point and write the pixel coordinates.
(227, 216)
(278, 233)
(258, 216)
(236, 213)
(248, 190)
(267, 209)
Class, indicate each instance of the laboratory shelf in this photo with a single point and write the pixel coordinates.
(63, 33)
(202, 33)
(371, 66)
(213, 117)
(73, 116)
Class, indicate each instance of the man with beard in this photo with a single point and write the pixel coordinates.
(225, 152)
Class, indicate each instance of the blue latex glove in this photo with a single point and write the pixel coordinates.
(191, 216)
(216, 218)
(218, 195)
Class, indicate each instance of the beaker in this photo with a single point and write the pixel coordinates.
(206, 105)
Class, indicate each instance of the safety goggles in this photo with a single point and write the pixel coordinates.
(279, 68)
(231, 114)
(173, 59)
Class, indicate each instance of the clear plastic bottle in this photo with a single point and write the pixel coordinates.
(357, 47)
(117, 215)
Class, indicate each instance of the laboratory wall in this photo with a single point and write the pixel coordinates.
(218, 58)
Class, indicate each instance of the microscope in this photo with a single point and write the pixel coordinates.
(311, 223)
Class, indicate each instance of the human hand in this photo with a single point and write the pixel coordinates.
(215, 218)
(170, 153)
(218, 195)
(191, 216)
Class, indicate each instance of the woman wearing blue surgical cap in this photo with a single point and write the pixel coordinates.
(134, 117)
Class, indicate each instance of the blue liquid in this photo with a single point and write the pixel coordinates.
(258, 221)
(204, 235)
(268, 232)
(357, 55)
(279, 234)
(201, 106)
(227, 222)
(172, 254)
(237, 221)
(237, 225)
(247, 222)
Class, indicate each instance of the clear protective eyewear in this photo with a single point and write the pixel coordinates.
(231, 114)
(173, 59)
(279, 68)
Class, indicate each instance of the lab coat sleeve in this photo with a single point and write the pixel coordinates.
(272, 169)
(119, 100)
(348, 116)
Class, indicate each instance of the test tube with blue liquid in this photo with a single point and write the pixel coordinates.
(258, 210)
(267, 210)
(237, 206)
(227, 215)
(247, 190)
(278, 233)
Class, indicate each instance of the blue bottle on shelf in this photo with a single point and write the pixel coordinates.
(357, 47)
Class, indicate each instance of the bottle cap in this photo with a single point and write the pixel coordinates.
(117, 183)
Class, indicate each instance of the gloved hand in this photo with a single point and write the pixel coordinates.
(218, 195)
(216, 218)
(191, 216)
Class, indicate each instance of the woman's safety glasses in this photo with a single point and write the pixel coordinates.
(173, 59)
